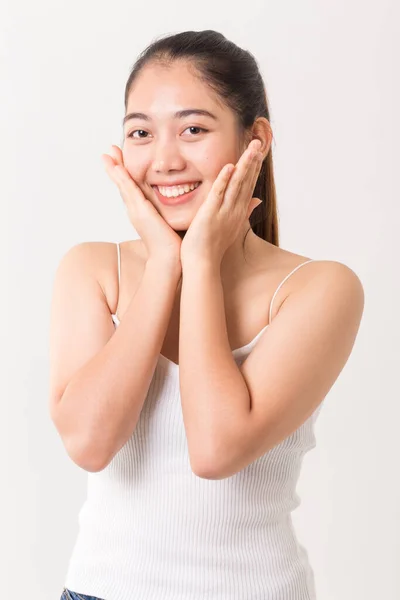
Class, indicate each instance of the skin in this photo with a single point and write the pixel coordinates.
(228, 413)
(170, 149)
(166, 148)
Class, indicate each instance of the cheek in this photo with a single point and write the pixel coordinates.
(212, 159)
(211, 165)
(221, 159)
(135, 169)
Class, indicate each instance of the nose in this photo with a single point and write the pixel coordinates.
(167, 158)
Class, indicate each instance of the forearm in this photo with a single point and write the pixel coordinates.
(102, 403)
(214, 395)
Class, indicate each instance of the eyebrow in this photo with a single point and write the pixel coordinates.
(181, 114)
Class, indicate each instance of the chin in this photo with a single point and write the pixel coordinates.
(180, 226)
(178, 222)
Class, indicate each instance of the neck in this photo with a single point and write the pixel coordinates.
(239, 261)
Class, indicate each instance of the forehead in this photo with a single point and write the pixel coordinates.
(160, 91)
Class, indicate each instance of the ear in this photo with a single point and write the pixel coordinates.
(262, 131)
(254, 202)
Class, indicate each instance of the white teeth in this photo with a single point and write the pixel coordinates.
(177, 190)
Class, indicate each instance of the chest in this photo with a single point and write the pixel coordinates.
(246, 311)
(251, 301)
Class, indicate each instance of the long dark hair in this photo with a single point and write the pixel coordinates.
(233, 74)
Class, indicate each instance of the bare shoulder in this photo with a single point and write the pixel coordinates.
(284, 262)
(307, 275)
(100, 261)
(95, 257)
(338, 284)
(335, 285)
(332, 298)
(104, 260)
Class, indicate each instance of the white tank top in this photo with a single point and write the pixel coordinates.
(150, 529)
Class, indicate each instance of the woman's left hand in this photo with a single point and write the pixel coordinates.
(220, 218)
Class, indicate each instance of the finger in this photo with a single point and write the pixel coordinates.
(242, 168)
(258, 161)
(239, 179)
(248, 184)
(253, 168)
(119, 161)
(127, 186)
(117, 174)
(124, 180)
(109, 166)
(117, 155)
(117, 171)
(220, 185)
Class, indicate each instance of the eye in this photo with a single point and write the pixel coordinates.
(131, 134)
(195, 127)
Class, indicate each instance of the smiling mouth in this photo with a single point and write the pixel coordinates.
(177, 189)
(176, 199)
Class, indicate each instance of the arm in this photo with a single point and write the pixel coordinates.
(214, 394)
(235, 415)
(99, 377)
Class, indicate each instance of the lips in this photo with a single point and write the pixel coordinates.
(160, 185)
(181, 199)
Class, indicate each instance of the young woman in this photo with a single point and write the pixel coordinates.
(188, 366)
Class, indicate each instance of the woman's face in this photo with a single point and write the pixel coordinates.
(166, 149)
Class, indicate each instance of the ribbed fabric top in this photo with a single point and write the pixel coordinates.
(150, 529)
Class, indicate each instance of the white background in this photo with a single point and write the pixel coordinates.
(332, 82)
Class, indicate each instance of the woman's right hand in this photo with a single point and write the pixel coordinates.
(162, 243)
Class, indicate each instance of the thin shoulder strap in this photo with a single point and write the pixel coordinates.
(119, 265)
(114, 316)
(283, 281)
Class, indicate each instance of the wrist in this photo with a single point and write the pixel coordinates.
(171, 268)
(201, 264)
